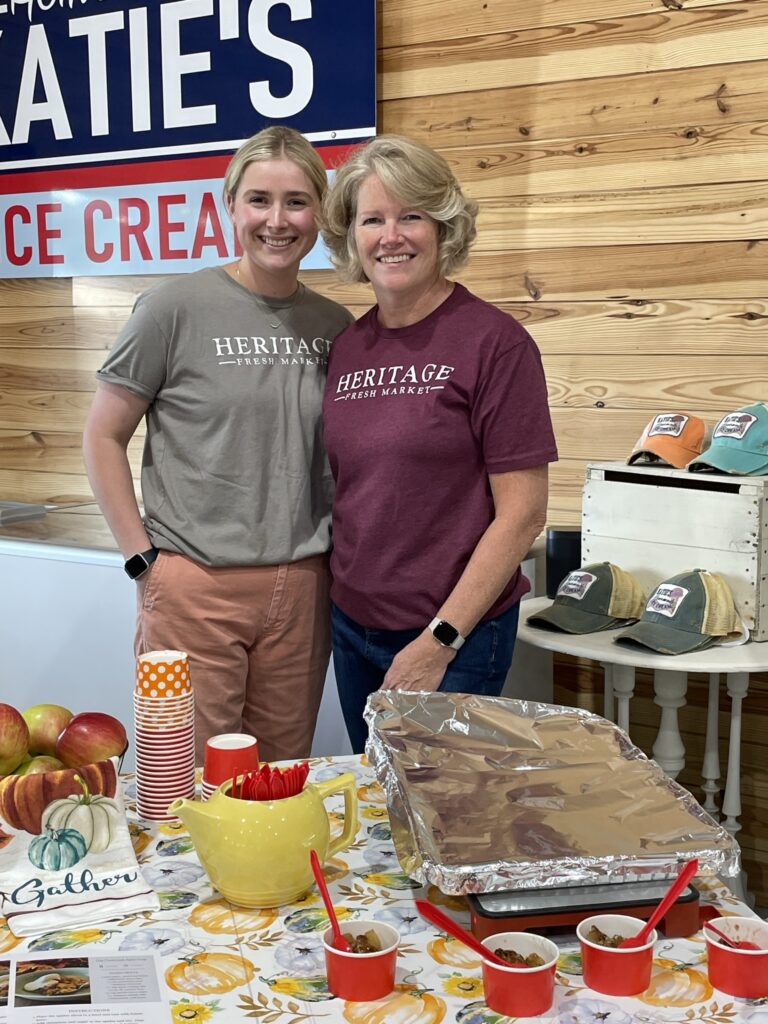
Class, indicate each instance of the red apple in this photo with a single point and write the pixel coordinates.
(46, 722)
(91, 736)
(35, 765)
(14, 739)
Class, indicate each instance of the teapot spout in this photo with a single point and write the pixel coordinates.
(192, 813)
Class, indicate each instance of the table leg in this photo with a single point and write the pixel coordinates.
(710, 769)
(668, 749)
(737, 684)
(623, 678)
(607, 690)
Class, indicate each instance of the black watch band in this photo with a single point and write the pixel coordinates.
(138, 564)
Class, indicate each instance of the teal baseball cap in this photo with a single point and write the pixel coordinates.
(739, 444)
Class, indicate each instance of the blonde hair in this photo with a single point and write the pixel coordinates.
(275, 143)
(419, 177)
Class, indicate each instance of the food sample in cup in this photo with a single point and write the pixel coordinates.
(363, 974)
(601, 939)
(516, 959)
(607, 966)
(524, 985)
(368, 942)
(739, 972)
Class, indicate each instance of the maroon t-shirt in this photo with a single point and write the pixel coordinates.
(415, 419)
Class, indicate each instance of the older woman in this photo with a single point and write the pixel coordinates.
(228, 365)
(438, 434)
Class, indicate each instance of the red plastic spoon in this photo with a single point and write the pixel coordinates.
(689, 870)
(339, 942)
(447, 924)
(733, 943)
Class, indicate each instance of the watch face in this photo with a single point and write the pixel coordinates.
(136, 565)
(445, 633)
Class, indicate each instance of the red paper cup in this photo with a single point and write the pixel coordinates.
(520, 991)
(161, 797)
(179, 734)
(162, 749)
(162, 773)
(739, 972)
(228, 754)
(613, 971)
(144, 764)
(362, 976)
(160, 769)
(162, 807)
(151, 729)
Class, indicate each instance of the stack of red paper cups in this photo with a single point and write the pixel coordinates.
(164, 720)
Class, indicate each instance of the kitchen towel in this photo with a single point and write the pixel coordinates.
(66, 857)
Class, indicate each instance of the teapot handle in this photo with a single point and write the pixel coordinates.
(345, 784)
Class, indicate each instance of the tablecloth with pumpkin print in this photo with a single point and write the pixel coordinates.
(224, 964)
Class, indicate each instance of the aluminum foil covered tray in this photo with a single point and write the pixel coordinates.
(487, 794)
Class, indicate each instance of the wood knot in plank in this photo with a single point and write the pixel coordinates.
(532, 288)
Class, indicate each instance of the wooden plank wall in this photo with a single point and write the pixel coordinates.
(619, 152)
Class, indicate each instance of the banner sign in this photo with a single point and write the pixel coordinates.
(118, 119)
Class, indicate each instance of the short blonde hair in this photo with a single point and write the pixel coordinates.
(419, 177)
(275, 143)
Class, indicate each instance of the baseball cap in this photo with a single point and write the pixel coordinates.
(595, 597)
(739, 443)
(671, 438)
(687, 612)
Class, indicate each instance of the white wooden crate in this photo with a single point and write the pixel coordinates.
(656, 522)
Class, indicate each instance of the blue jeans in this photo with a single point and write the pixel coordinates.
(362, 656)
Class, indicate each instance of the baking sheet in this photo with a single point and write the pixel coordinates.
(487, 794)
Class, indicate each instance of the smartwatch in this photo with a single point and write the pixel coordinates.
(138, 564)
(446, 634)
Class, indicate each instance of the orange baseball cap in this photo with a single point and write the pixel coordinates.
(671, 438)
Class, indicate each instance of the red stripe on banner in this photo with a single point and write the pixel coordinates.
(155, 171)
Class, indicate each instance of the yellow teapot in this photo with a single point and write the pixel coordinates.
(256, 852)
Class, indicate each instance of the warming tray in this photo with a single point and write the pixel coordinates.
(487, 794)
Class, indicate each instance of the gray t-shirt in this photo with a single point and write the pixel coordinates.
(234, 469)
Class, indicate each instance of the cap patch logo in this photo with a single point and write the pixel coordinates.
(735, 424)
(670, 424)
(576, 584)
(666, 599)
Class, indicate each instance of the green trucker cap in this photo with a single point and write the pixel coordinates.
(688, 612)
(595, 597)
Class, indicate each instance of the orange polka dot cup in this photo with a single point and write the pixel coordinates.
(163, 675)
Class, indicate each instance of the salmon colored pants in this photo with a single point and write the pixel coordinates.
(258, 639)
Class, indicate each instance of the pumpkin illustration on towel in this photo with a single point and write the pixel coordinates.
(96, 818)
(24, 798)
(57, 849)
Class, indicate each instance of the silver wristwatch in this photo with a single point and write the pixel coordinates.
(446, 634)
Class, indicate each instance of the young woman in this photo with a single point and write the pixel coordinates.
(228, 366)
(438, 432)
